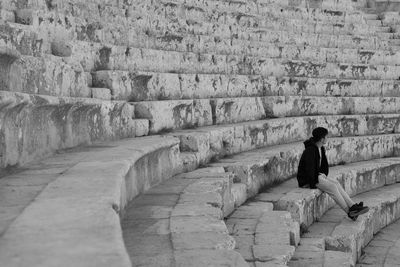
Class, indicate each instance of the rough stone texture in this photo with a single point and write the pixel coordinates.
(173, 229)
(208, 142)
(165, 116)
(34, 126)
(62, 225)
(151, 86)
(47, 75)
(263, 235)
(382, 250)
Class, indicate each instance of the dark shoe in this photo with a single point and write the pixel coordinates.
(354, 218)
(356, 210)
(360, 204)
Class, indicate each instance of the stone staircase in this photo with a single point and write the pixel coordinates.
(228, 90)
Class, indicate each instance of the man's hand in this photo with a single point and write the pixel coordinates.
(322, 175)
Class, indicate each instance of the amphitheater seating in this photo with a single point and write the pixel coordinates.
(227, 91)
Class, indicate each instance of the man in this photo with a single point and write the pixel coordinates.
(313, 173)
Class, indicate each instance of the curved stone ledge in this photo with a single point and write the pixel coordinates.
(100, 57)
(34, 125)
(148, 86)
(224, 140)
(180, 222)
(178, 114)
(75, 219)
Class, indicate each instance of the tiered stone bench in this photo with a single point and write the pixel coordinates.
(233, 87)
(65, 210)
(383, 249)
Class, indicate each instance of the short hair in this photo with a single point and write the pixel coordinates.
(319, 133)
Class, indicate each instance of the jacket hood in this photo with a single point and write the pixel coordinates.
(309, 142)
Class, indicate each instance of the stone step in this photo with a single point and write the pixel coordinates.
(81, 205)
(36, 125)
(46, 75)
(375, 22)
(213, 142)
(210, 10)
(205, 43)
(146, 85)
(185, 114)
(224, 10)
(167, 86)
(170, 16)
(23, 39)
(100, 93)
(96, 56)
(7, 15)
(124, 34)
(383, 248)
(180, 222)
(115, 79)
(264, 167)
(342, 234)
(263, 235)
(311, 252)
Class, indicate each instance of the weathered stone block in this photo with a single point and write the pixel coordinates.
(239, 194)
(264, 253)
(198, 224)
(47, 75)
(168, 115)
(209, 257)
(201, 241)
(101, 93)
(237, 110)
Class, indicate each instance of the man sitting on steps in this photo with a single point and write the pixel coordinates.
(313, 173)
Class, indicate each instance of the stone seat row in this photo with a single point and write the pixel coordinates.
(80, 28)
(156, 26)
(278, 67)
(197, 9)
(178, 114)
(34, 126)
(217, 141)
(167, 86)
(66, 77)
(33, 42)
(162, 10)
(97, 56)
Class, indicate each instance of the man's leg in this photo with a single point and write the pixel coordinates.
(331, 188)
(344, 194)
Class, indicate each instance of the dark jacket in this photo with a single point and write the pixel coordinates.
(309, 165)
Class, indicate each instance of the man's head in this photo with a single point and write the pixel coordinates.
(319, 135)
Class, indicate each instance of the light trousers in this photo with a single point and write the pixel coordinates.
(334, 189)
